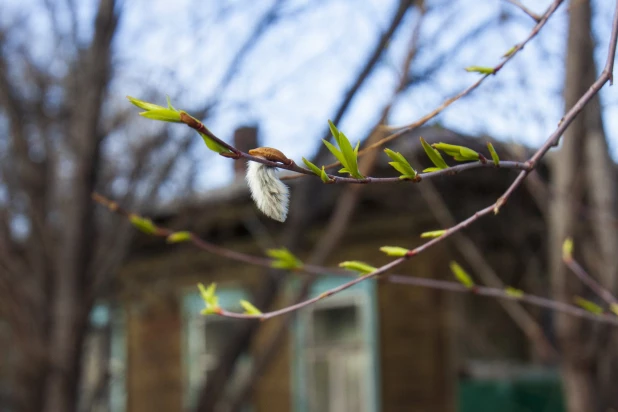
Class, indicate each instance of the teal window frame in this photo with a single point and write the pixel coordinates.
(101, 316)
(363, 295)
(193, 333)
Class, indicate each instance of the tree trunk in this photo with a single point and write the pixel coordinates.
(70, 289)
(582, 174)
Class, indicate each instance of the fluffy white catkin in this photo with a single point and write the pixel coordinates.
(269, 193)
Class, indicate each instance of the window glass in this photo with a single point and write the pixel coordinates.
(335, 355)
(336, 325)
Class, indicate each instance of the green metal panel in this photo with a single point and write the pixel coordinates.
(521, 395)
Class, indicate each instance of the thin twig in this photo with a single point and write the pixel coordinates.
(596, 287)
(520, 316)
(445, 285)
(293, 167)
(526, 10)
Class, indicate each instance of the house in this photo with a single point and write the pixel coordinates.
(377, 346)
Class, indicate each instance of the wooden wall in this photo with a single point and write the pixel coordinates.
(154, 368)
(417, 368)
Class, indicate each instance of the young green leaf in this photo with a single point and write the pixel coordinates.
(208, 294)
(335, 152)
(324, 176)
(348, 152)
(143, 224)
(432, 169)
(480, 69)
(212, 145)
(169, 104)
(210, 298)
(614, 308)
(333, 130)
(249, 308)
(567, 249)
(434, 155)
(401, 164)
(493, 153)
(357, 266)
(179, 237)
(433, 234)
(283, 259)
(144, 105)
(394, 250)
(459, 153)
(346, 155)
(509, 52)
(156, 112)
(461, 275)
(164, 115)
(317, 170)
(311, 166)
(516, 293)
(588, 305)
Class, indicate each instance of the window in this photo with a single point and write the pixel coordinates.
(336, 352)
(204, 338)
(103, 375)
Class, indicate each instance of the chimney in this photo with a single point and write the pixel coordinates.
(245, 138)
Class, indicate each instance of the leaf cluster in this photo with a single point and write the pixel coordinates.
(172, 115)
(210, 299)
(346, 155)
(401, 165)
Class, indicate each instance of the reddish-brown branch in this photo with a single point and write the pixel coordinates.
(293, 167)
(450, 286)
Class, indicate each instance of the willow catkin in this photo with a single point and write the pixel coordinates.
(270, 195)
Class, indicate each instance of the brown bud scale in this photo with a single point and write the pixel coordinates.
(271, 154)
